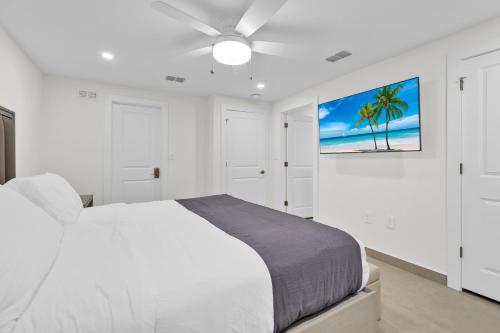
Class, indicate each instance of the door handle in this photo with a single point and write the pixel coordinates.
(156, 172)
(262, 172)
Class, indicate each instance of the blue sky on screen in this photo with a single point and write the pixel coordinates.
(339, 117)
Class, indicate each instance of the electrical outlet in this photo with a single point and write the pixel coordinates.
(368, 218)
(391, 223)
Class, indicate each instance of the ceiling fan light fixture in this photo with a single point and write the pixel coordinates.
(232, 51)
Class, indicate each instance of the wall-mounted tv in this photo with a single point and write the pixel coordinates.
(379, 120)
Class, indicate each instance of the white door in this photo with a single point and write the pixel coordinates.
(136, 153)
(481, 175)
(299, 173)
(245, 153)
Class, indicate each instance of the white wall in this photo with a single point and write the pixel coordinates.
(408, 186)
(20, 91)
(215, 104)
(74, 135)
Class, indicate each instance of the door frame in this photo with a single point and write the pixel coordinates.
(454, 156)
(225, 108)
(313, 103)
(108, 137)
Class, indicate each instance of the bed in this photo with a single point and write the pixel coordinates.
(179, 266)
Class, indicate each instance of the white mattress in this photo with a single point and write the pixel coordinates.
(152, 267)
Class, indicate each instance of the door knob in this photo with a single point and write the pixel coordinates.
(156, 172)
(262, 172)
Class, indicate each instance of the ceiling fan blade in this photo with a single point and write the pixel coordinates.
(185, 18)
(258, 14)
(196, 52)
(279, 49)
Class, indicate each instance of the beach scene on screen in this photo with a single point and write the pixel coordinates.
(378, 120)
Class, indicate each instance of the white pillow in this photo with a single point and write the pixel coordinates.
(52, 193)
(29, 244)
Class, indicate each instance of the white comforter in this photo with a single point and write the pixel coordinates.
(151, 267)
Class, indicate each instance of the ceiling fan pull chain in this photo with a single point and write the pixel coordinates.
(212, 71)
(250, 69)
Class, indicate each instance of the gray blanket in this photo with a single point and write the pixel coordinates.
(312, 266)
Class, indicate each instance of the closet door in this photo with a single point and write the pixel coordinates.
(299, 173)
(245, 141)
(481, 175)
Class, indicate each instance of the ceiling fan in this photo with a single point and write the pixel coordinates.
(232, 45)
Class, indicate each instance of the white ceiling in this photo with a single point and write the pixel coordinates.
(65, 37)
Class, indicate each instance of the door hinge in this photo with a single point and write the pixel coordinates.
(461, 168)
(286, 203)
(286, 125)
(461, 252)
(286, 164)
(461, 80)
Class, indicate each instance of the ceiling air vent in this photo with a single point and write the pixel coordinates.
(175, 79)
(337, 56)
(88, 94)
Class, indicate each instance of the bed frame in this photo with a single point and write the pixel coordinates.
(357, 314)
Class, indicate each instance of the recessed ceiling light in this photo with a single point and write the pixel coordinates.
(107, 55)
(261, 85)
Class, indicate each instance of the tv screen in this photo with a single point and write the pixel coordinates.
(379, 120)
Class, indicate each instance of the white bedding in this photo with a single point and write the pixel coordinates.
(29, 245)
(52, 193)
(151, 267)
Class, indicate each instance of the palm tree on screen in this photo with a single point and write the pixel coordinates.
(386, 101)
(367, 112)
